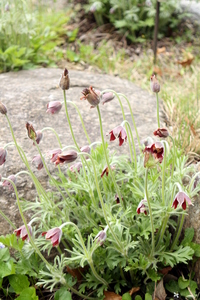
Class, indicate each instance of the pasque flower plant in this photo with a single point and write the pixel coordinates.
(109, 215)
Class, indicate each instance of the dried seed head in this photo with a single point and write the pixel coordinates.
(3, 109)
(64, 80)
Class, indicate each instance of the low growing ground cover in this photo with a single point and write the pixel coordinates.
(114, 221)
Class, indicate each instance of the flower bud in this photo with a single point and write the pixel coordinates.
(3, 109)
(64, 80)
(161, 132)
(66, 156)
(37, 161)
(154, 84)
(39, 136)
(31, 131)
(8, 183)
(107, 97)
(54, 107)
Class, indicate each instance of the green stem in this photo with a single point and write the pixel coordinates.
(163, 175)
(58, 139)
(150, 211)
(68, 119)
(158, 118)
(107, 160)
(102, 204)
(82, 122)
(7, 219)
(173, 156)
(178, 232)
(134, 150)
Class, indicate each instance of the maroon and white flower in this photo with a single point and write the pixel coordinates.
(54, 235)
(161, 132)
(142, 207)
(153, 154)
(8, 183)
(106, 170)
(22, 232)
(3, 155)
(39, 136)
(91, 96)
(182, 199)
(54, 107)
(118, 132)
(54, 154)
(37, 161)
(66, 156)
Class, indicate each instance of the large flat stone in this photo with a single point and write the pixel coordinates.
(26, 94)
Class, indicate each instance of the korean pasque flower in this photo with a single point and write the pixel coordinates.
(8, 184)
(39, 136)
(154, 84)
(54, 107)
(37, 161)
(101, 236)
(118, 132)
(3, 109)
(66, 156)
(142, 207)
(3, 154)
(91, 96)
(106, 170)
(22, 232)
(181, 198)
(161, 132)
(54, 154)
(153, 154)
(54, 235)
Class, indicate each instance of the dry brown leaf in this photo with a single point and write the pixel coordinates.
(160, 293)
(111, 296)
(134, 290)
(165, 271)
(161, 50)
(187, 61)
(157, 70)
(76, 273)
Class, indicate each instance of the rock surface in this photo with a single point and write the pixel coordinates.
(26, 95)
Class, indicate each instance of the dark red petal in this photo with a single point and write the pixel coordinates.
(24, 237)
(44, 233)
(175, 203)
(184, 205)
(120, 141)
(112, 136)
(56, 243)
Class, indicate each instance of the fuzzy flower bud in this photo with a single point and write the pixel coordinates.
(31, 131)
(3, 154)
(54, 107)
(66, 156)
(64, 80)
(8, 183)
(154, 84)
(101, 236)
(161, 132)
(37, 161)
(39, 136)
(3, 109)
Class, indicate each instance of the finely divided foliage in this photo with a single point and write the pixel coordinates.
(114, 220)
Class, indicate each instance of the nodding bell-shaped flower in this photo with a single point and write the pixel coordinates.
(181, 198)
(76, 167)
(154, 84)
(31, 131)
(117, 199)
(142, 207)
(153, 154)
(54, 235)
(39, 136)
(118, 132)
(66, 156)
(3, 155)
(86, 149)
(101, 236)
(53, 107)
(106, 170)
(54, 154)
(22, 232)
(37, 161)
(8, 184)
(91, 96)
(64, 80)
(3, 109)
(161, 132)
(107, 97)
